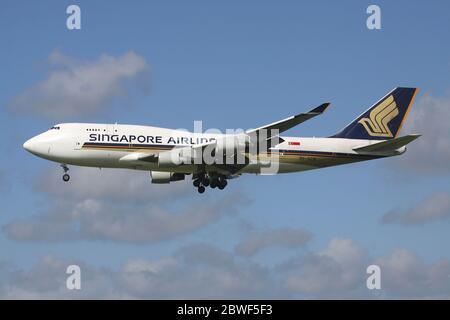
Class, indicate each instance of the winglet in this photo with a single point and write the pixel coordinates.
(320, 109)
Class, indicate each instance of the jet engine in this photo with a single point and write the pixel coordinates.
(165, 177)
(170, 159)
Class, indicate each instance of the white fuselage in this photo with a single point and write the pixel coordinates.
(105, 145)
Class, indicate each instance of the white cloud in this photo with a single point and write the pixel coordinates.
(115, 185)
(407, 275)
(337, 270)
(344, 251)
(47, 280)
(119, 206)
(81, 88)
(141, 265)
(206, 272)
(194, 272)
(431, 152)
(93, 220)
(286, 237)
(199, 271)
(433, 208)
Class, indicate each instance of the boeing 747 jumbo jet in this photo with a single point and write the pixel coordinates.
(213, 158)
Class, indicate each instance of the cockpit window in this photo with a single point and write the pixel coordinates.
(55, 128)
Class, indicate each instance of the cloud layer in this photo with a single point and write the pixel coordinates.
(81, 88)
(118, 205)
(431, 152)
(286, 237)
(338, 270)
(204, 271)
(433, 208)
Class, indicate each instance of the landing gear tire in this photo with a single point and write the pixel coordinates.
(205, 182)
(222, 184)
(65, 176)
(201, 189)
(196, 183)
(213, 184)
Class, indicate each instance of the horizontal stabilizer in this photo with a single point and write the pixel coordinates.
(387, 146)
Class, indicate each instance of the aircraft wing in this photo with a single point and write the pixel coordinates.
(153, 156)
(140, 156)
(290, 122)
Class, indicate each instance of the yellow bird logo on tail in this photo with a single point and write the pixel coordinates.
(377, 123)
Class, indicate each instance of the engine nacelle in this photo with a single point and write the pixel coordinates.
(169, 159)
(165, 177)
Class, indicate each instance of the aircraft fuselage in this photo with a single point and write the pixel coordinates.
(104, 145)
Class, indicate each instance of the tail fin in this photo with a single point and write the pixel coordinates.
(384, 119)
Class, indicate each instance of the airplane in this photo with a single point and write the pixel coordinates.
(213, 158)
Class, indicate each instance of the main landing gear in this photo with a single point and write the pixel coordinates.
(66, 176)
(213, 181)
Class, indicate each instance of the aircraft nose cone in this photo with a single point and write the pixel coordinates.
(36, 146)
(28, 145)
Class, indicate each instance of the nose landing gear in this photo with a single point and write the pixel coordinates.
(66, 176)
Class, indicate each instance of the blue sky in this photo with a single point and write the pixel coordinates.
(238, 65)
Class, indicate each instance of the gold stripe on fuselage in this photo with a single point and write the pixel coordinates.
(296, 157)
